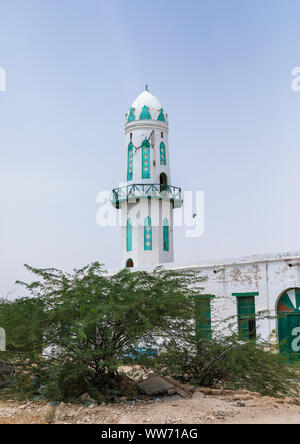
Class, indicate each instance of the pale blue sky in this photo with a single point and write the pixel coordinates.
(221, 68)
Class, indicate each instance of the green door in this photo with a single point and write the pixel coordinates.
(289, 324)
(203, 316)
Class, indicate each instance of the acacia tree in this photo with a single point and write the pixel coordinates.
(225, 359)
(75, 331)
(93, 323)
(24, 323)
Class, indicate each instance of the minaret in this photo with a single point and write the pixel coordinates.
(147, 199)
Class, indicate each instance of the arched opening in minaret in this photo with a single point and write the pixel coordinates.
(163, 181)
(129, 263)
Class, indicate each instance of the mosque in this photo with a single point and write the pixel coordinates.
(242, 287)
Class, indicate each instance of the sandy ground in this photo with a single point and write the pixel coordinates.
(231, 408)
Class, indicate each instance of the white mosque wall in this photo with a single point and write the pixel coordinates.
(269, 275)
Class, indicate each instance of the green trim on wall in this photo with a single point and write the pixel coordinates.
(131, 116)
(204, 296)
(166, 233)
(212, 296)
(162, 151)
(129, 235)
(130, 162)
(161, 116)
(240, 295)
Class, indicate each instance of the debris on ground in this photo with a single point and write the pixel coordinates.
(167, 409)
(155, 399)
(7, 371)
(156, 384)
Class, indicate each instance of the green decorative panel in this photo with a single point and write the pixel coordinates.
(203, 316)
(161, 116)
(130, 162)
(145, 114)
(131, 116)
(147, 234)
(162, 150)
(246, 317)
(289, 324)
(146, 159)
(290, 301)
(129, 235)
(166, 231)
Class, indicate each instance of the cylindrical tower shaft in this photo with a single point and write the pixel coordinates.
(147, 199)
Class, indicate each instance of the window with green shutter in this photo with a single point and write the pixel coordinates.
(246, 316)
(203, 316)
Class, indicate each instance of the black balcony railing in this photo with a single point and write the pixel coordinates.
(153, 191)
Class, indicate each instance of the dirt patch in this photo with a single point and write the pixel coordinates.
(202, 408)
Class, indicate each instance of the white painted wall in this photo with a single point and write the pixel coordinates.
(270, 275)
(141, 130)
(157, 210)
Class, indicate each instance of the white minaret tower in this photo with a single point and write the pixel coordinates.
(147, 198)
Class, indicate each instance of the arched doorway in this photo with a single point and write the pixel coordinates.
(163, 181)
(129, 263)
(288, 312)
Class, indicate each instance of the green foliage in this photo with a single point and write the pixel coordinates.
(23, 321)
(88, 324)
(225, 361)
(74, 333)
